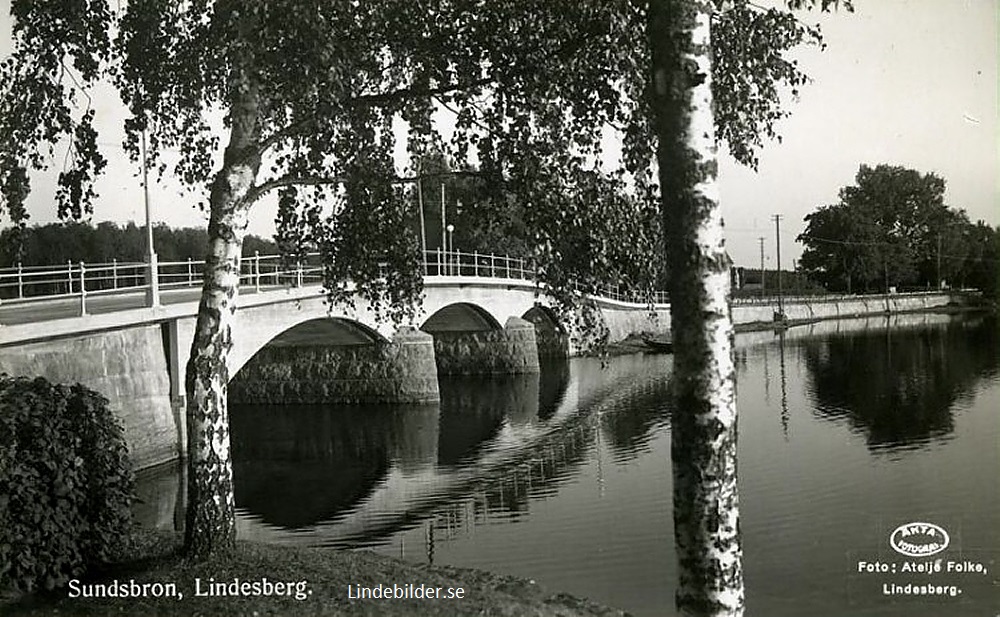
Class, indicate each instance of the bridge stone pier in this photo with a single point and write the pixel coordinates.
(468, 341)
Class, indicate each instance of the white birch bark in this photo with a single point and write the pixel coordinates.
(211, 518)
(703, 421)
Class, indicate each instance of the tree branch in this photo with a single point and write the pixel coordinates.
(260, 190)
(474, 120)
(382, 98)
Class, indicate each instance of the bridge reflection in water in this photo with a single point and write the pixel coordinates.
(354, 476)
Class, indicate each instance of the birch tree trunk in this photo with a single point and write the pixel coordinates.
(703, 421)
(211, 520)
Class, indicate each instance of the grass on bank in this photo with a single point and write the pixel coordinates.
(328, 573)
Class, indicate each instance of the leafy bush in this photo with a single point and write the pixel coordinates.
(66, 485)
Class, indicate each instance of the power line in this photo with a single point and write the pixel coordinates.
(876, 244)
(760, 239)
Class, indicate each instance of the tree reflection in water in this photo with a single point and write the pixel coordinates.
(899, 385)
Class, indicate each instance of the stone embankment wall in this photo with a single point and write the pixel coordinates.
(401, 371)
(835, 307)
(624, 320)
(129, 367)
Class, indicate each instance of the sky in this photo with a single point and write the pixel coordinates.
(902, 82)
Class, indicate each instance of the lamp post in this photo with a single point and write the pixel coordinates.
(153, 274)
(444, 220)
(450, 243)
(423, 230)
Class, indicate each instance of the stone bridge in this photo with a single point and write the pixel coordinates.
(291, 346)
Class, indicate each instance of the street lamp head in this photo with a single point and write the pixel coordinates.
(451, 228)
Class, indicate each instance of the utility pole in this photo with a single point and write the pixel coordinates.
(761, 241)
(938, 285)
(777, 239)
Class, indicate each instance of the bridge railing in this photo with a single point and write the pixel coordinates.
(28, 282)
(82, 281)
(458, 263)
(484, 265)
(79, 280)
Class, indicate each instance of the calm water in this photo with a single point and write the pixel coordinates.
(847, 430)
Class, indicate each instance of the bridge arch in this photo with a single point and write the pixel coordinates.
(552, 337)
(544, 318)
(307, 322)
(328, 331)
(299, 357)
(461, 317)
(469, 340)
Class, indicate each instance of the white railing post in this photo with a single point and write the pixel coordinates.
(69, 276)
(440, 262)
(256, 271)
(190, 273)
(83, 290)
(20, 280)
(298, 273)
(493, 265)
(475, 261)
(506, 259)
(114, 273)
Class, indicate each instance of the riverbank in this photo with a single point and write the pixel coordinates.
(947, 309)
(300, 581)
(634, 343)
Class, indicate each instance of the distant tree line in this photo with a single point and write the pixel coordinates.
(57, 243)
(893, 229)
